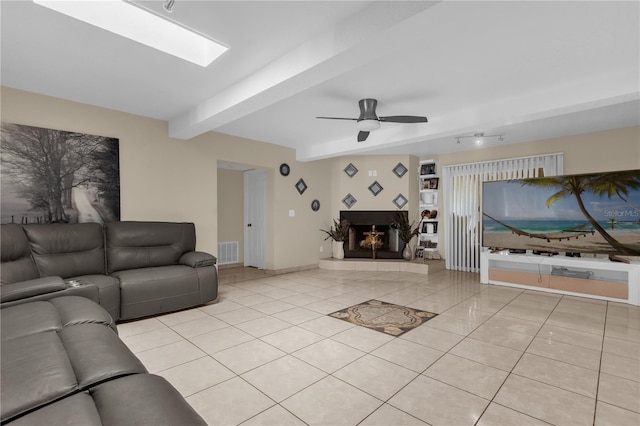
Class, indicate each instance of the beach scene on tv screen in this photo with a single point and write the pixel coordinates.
(591, 213)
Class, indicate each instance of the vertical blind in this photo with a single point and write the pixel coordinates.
(462, 190)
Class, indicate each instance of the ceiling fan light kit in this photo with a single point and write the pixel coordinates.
(367, 125)
(369, 120)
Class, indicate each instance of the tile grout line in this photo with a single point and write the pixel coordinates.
(542, 326)
(369, 352)
(604, 331)
(515, 364)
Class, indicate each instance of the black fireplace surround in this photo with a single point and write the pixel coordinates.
(362, 222)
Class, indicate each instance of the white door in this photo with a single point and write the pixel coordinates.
(255, 201)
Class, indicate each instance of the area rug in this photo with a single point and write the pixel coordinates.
(384, 317)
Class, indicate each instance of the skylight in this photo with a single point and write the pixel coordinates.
(130, 21)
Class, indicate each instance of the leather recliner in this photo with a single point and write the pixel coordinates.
(61, 362)
(132, 269)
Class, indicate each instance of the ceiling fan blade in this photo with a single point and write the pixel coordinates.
(362, 136)
(404, 119)
(338, 118)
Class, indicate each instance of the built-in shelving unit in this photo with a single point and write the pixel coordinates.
(428, 183)
(586, 277)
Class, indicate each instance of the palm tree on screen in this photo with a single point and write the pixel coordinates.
(609, 184)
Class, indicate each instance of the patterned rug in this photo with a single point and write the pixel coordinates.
(384, 317)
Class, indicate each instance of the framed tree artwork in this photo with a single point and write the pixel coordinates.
(56, 176)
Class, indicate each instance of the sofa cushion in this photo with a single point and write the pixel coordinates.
(17, 264)
(35, 371)
(74, 410)
(53, 315)
(140, 399)
(40, 368)
(75, 310)
(67, 249)
(132, 245)
(97, 354)
(149, 291)
(156, 402)
(27, 319)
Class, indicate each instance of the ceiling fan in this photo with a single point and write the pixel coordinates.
(369, 121)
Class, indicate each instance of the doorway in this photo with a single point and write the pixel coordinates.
(255, 212)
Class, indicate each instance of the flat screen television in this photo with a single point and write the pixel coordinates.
(587, 213)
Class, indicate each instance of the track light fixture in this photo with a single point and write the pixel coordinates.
(168, 5)
(480, 137)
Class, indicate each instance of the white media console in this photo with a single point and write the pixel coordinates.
(578, 276)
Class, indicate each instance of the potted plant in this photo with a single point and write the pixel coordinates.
(339, 233)
(406, 232)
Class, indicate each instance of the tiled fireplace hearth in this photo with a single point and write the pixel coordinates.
(389, 245)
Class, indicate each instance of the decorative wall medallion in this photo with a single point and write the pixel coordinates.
(375, 188)
(349, 200)
(351, 170)
(301, 186)
(284, 169)
(400, 201)
(315, 205)
(400, 170)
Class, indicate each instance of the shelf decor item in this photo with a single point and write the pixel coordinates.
(429, 198)
(406, 232)
(338, 233)
(429, 227)
(428, 169)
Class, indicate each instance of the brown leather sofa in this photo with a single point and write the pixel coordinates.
(132, 269)
(63, 363)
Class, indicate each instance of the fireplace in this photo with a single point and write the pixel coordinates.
(388, 243)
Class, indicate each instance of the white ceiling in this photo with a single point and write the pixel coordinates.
(528, 70)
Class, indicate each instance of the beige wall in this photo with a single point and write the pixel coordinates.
(174, 180)
(358, 185)
(609, 150)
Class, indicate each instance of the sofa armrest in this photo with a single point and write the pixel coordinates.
(197, 259)
(30, 288)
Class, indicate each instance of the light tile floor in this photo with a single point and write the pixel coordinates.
(265, 353)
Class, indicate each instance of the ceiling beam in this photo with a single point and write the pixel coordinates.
(354, 42)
